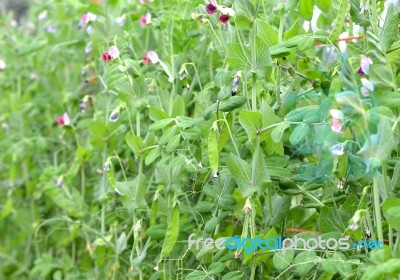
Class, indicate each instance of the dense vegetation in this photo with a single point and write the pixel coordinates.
(127, 126)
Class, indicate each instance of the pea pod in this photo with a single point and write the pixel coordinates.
(172, 232)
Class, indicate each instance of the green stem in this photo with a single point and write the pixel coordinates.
(278, 87)
(377, 209)
(231, 136)
(254, 65)
(396, 245)
(281, 25)
(373, 16)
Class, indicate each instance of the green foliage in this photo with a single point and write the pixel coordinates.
(258, 127)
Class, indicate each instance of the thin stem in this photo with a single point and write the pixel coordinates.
(231, 136)
(396, 245)
(377, 209)
(281, 25)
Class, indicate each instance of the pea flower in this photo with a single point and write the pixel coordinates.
(42, 16)
(50, 29)
(88, 48)
(5, 127)
(146, 19)
(114, 115)
(336, 124)
(86, 18)
(364, 65)
(14, 23)
(226, 13)
(212, 7)
(367, 87)
(337, 149)
(143, 1)
(113, 51)
(106, 56)
(2, 65)
(235, 83)
(151, 57)
(340, 184)
(64, 119)
(120, 20)
(60, 183)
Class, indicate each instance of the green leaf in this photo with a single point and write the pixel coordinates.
(234, 275)
(282, 259)
(225, 93)
(135, 143)
(172, 232)
(348, 98)
(210, 111)
(161, 124)
(157, 231)
(251, 122)
(244, 13)
(339, 21)
(213, 155)
(280, 208)
(263, 58)
(216, 268)
(306, 8)
(391, 211)
(299, 134)
(241, 172)
(293, 31)
(233, 103)
(196, 275)
(389, 30)
(389, 99)
(305, 261)
(237, 58)
(330, 220)
(324, 5)
(380, 75)
(278, 131)
(267, 33)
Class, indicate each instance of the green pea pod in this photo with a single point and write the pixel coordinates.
(172, 232)
(213, 156)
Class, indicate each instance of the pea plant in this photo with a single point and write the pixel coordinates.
(200, 140)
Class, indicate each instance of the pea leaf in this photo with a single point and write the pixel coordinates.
(245, 13)
(306, 8)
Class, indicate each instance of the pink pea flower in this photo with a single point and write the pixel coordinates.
(337, 117)
(367, 87)
(364, 65)
(226, 13)
(88, 17)
(64, 119)
(210, 9)
(146, 19)
(224, 19)
(143, 1)
(106, 56)
(151, 57)
(113, 51)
